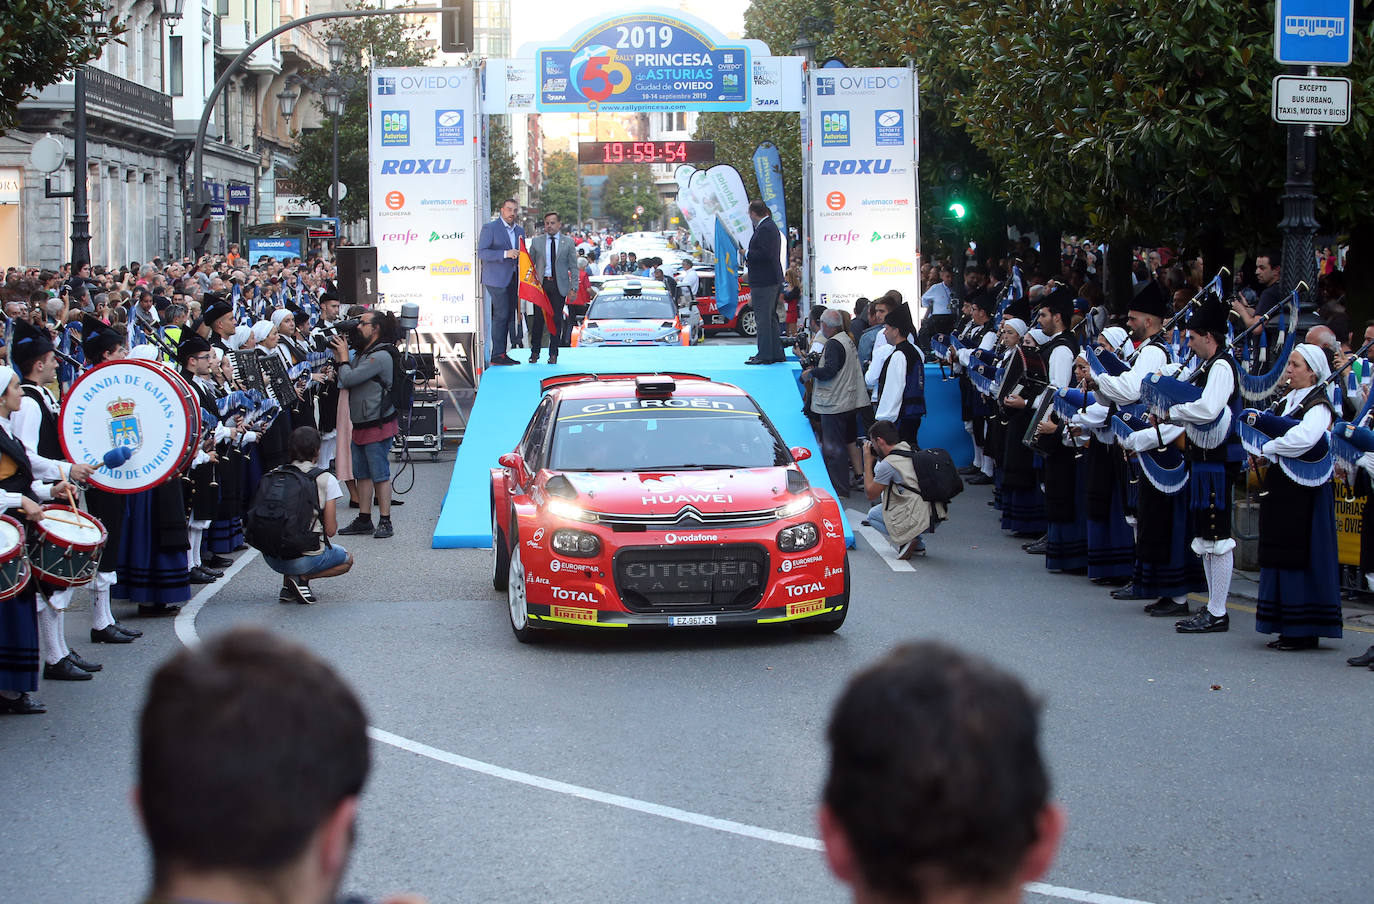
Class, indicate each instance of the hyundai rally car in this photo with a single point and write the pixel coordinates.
(628, 311)
(661, 501)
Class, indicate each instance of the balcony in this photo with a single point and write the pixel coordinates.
(111, 101)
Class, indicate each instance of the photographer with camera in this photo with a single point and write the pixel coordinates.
(838, 395)
(368, 377)
(901, 514)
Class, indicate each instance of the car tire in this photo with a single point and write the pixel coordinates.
(748, 324)
(500, 554)
(517, 604)
(830, 622)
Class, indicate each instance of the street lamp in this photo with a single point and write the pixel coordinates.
(171, 9)
(336, 51)
(332, 88)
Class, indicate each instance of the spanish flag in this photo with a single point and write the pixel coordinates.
(531, 289)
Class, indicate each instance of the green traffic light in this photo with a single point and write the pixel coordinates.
(958, 209)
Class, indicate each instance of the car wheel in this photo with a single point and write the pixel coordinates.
(515, 596)
(500, 554)
(831, 621)
(748, 325)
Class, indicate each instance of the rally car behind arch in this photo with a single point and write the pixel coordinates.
(661, 501)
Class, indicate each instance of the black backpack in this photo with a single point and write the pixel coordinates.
(284, 509)
(402, 382)
(935, 472)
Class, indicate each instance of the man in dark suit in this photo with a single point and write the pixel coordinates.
(764, 260)
(498, 248)
(554, 256)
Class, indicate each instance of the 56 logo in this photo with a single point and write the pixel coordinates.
(596, 74)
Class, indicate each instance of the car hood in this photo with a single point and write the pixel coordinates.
(668, 492)
(646, 328)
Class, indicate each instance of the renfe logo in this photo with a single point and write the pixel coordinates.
(424, 165)
(404, 238)
(842, 238)
(841, 167)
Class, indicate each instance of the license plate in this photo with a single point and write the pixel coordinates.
(692, 620)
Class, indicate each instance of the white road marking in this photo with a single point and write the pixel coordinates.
(883, 548)
(186, 632)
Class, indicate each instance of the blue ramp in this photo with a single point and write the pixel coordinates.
(508, 396)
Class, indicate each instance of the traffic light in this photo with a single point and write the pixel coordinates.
(202, 223)
(957, 209)
(455, 26)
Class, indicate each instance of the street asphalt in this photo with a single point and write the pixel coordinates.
(1193, 768)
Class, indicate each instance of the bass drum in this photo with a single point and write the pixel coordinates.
(14, 565)
(142, 405)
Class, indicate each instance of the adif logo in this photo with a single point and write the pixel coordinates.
(888, 236)
(448, 236)
(852, 167)
(842, 238)
(418, 166)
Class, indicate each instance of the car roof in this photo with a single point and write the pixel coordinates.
(617, 386)
(647, 286)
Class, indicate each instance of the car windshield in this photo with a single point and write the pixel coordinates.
(612, 305)
(632, 434)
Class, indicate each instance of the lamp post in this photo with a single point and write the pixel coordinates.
(332, 88)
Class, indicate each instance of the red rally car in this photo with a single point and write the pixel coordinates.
(665, 501)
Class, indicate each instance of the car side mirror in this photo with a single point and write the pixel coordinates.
(799, 453)
(516, 462)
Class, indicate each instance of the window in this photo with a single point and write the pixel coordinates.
(174, 66)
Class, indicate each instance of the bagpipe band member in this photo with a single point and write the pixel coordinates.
(194, 358)
(901, 393)
(1299, 585)
(1111, 544)
(20, 494)
(1214, 455)
(1023, 504)
(1066, 544)
(978, 337)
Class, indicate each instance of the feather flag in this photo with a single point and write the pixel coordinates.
(727, 271)
(530, 288)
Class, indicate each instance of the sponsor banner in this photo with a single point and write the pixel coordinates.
(423, 164)
(643, 62)
(863, 176)
(705, 195)
(768, 171)
(778, 84)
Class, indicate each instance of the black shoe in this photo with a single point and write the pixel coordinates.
(300, 589)
(212, 572)
(1038, 548)
(756, 360)
(157, 610)
(503, 361)
(218, 563)
(82, 664)
(553, 359)
(110, 634)
(383, 530)
(1165, 608)
(1111, 582)
(201, 576)
(1204, 623)
(1128, 593)
(979, 480)
(1365, 658)
(125, 629)
(534, 358)
(360, 525)
(64, 670)
(969, 471)
(1291, 644)
(23, 705)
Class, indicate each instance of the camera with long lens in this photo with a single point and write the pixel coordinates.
(324, 335)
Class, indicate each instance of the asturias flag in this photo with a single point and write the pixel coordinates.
(531, 289)
(727, 271)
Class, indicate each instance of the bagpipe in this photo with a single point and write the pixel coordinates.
(943, 346)
(1255, 387)
(1311, 469)
(982, 372)
(1349, 443)
(1068, 402)
(1159, 393)
(1164, 467)
(1101, 361)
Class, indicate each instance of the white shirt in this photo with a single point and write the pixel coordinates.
(881, 349)
(1124, 389)
(24, 426)
(938, 299)
(890, 404)
(985, 344)
(40, 489)
(691, 279)
(1215, 394)
(1302, 437)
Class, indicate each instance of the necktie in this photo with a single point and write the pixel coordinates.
(553, 252)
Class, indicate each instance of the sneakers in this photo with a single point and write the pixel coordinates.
(296, 590)
(360, 525)
(383, 530)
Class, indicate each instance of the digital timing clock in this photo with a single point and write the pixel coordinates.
(646, 152)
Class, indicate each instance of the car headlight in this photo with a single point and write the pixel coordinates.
(796, 506)
(562, 508)
(796, 538)
(580, 543)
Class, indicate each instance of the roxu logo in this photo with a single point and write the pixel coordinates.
(416, 167)
(845, 167)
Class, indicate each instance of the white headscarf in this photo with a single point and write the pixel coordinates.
(241, 335)
(1017, 324)
(279, 315)
(1116, 337)
(145, 352)
(261, 330)
(7, 376)
(1316, 360)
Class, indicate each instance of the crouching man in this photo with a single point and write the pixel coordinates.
(901, 514)
(324, 560)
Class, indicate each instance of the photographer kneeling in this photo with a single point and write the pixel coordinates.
(368, 380)
(323, 560)
(903, 514)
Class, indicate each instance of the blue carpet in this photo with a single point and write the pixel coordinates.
(508, 396)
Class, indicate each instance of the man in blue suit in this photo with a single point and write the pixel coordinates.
(764, 260)
(498, 249)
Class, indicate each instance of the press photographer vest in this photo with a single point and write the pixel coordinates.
(846, 391)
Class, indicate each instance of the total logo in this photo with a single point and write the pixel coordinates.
(395, 200)
(574, 596)
(804, 589)
(788, 564)
(418, 166)
(888, 236)
(848, 167)
(841, 238)
(452, 267)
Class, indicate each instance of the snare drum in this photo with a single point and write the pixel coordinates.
(65, 546)
(14, 566)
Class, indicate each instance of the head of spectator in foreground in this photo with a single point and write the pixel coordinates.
(936, 790)
(252, 754)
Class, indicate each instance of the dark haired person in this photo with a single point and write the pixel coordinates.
(373, 416)
(554, 257)
(899, 512)
(326, 560)
(900, 397)
(764, 260)
(248, 703)
(937, 790)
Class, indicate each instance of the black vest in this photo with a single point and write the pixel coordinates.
(1229, 450)
(1064, 339)
(914, 391)
(21, 481)
(49, 441)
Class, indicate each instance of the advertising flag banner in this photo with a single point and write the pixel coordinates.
(861, 126)
(727, 271)
(530, 288)
(423, 163)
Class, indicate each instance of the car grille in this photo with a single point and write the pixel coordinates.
(687, 517)
(728, 577)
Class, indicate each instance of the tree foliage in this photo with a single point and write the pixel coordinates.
(503, 170)
(1119, 117)
(42, 41)
(626, 187)
(737, 137)
(377, 41)
(558, 193)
